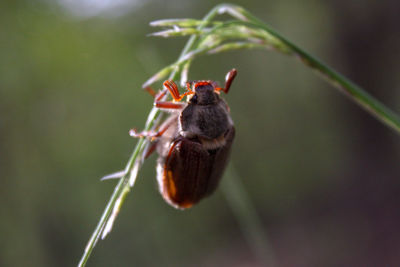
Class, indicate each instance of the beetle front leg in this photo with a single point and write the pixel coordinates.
(230, 76)
(169, 105)
(150, 91)
(157, 96)
(170, 86)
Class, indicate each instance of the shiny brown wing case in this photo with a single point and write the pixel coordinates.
(190, 172)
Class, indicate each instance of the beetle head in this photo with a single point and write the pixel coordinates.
(204, 93)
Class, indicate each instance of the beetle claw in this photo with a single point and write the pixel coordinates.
(133, 132)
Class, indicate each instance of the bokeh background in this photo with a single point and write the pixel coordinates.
(322, 174)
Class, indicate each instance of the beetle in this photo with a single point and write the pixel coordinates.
(194, 142)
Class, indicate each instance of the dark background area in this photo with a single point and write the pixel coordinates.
(323, 175)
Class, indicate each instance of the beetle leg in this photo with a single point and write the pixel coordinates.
(169, 105)
(189, 87)
(150, 91)
(154, 134)
(160, 95)
(151, 150)
(134, 133)
(173, 89)
(150, 134)
(166, 104)
(230, 76)
(157, 96)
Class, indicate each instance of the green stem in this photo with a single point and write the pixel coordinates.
(248, 218)
(353, 91)
(281, 44)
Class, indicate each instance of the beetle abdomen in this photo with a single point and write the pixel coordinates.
(190, 172)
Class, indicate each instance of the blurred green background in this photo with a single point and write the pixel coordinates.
(323, 175)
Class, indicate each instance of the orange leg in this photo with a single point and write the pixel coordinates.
(230, 76)
(188, 86)
(151, 149)
(169, 105)
(150, 91)
(150, 134)
(157, 96)
(173, 89)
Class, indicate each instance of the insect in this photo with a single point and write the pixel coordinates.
(194, 142)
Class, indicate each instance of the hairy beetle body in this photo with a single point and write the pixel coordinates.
(194, 143)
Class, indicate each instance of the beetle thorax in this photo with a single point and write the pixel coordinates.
(205, 121)
(204, 95)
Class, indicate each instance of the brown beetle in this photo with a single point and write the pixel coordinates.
(194, 142)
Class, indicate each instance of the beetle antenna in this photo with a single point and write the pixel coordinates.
(173, 89)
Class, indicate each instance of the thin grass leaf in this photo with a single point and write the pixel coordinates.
(252, 226)
(237, 46)
(184, 23)
(177, 32)
(113, 175)
(160, 75)
(353, 91)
